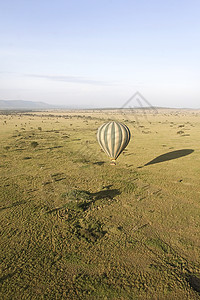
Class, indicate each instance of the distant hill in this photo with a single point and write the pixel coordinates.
(23, 105)
(33, 105)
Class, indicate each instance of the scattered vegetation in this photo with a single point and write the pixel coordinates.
(7, 148)
(75, 227)
(34, 144)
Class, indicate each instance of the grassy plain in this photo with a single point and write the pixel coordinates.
(75, 227)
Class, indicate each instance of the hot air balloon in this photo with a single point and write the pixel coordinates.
(113, 138)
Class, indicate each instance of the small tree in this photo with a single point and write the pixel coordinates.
(34, 144)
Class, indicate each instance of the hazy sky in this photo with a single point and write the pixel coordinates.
(99, 53)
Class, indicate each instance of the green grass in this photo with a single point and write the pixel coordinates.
(75, 227)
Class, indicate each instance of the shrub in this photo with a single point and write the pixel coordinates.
(34, 144)
(7, 148)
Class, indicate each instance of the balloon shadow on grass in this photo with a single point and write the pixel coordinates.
(169, 156)
(194, 282)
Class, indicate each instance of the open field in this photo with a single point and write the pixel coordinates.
(75, 227)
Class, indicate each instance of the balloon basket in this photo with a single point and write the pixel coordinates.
(113, 162)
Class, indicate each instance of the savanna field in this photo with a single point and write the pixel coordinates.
(75, 227)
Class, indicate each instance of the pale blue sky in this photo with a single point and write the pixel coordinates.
(99, 53)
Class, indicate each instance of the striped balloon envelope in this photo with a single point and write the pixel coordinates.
(113, 138)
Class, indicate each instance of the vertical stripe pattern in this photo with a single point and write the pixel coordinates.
(113, 137)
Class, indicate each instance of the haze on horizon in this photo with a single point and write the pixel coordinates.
(99, 53)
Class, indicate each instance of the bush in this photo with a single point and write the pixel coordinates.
(34, 144)
(7, 148)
